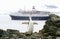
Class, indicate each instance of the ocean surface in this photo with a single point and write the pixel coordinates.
(7, 23)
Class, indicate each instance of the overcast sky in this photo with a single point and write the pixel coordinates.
(9, 6)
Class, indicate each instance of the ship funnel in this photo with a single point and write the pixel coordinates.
(33, 8)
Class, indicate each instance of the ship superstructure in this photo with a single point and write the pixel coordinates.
(35, 15)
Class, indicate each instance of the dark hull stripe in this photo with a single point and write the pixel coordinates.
(27, 18)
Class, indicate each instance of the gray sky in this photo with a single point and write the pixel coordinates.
(15, 5)
(9, 6)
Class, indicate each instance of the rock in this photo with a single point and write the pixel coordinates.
(52, 26)
(54, 18)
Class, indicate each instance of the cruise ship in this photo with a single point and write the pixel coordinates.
(35, 15)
